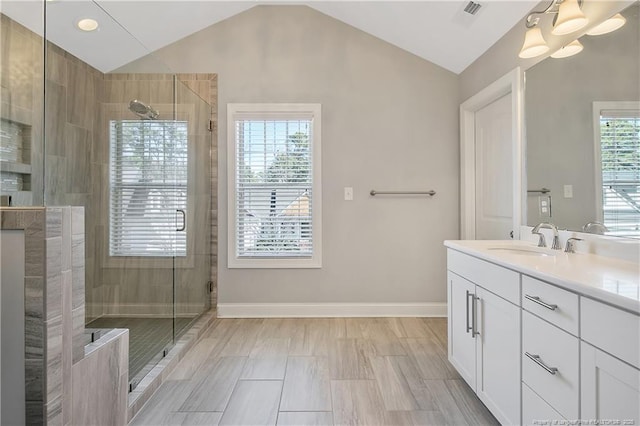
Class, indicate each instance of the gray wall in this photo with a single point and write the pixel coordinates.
(390, 121)
(559, 118)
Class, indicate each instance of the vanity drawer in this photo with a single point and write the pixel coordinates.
(555, 349)
(613, 330)
(535, 410)
(553, 304)
(494, 278)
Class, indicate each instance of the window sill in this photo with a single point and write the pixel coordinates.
(263, 263)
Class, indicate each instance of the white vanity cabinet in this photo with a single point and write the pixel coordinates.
(484, 333)
(610, 363)
(537, 349)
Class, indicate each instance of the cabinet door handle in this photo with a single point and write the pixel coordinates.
(469, 328)
(474, 316)
(184, 220)
(537, 360)
(536, 299)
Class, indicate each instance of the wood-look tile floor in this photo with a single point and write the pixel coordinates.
(334, 371)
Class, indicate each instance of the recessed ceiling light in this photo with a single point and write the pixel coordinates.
(88, 24)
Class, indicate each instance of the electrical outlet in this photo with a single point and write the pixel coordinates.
(348, 193)
(544, 205)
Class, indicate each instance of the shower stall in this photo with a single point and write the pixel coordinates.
(151, 216)
(135, 149)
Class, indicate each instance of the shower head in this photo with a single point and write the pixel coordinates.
(143, 111)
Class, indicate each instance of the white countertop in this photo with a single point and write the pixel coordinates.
(609, 280)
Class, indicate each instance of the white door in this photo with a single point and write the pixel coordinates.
(610, 388)
(494, 171)
(462, 344)
(498, 356)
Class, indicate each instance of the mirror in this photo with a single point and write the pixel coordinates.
(582, 135)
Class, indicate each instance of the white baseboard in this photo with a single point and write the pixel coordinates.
(318, 310)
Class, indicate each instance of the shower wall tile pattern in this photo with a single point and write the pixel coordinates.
(103, 399)
(21, 113)
(49, 332)
(74, 163)
(61, 388)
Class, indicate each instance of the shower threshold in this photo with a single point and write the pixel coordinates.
(149, 339)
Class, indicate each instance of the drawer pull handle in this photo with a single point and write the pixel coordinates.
(537, 360)
(536, 299)
(474, 307)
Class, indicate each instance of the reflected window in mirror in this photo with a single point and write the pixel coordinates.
(561, 127)
(617, 137)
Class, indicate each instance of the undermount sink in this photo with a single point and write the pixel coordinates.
(522, 251)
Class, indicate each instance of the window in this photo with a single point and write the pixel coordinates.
(274, 185)
(618, 132)
(148, 185)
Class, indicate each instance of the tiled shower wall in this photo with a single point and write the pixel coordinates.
(72, 168)
(80, 101)
(21, 88)
(54, 306)
(63, 386)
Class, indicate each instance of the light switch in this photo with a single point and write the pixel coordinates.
(568, 191)
(348, 193)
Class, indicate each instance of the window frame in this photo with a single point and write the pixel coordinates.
(279, 111)
(598, 108)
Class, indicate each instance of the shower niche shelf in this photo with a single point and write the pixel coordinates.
(15, 162)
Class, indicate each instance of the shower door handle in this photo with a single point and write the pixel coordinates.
(184, 220)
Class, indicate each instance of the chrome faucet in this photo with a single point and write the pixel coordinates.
(595, 228)
(571, 247)
(542, 242)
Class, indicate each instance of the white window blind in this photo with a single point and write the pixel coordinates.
(148, 178)
(273, 188)
(620, 156)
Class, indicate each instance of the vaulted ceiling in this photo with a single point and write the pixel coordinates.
(438, 31)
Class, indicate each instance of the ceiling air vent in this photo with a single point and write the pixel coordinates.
(472, 8)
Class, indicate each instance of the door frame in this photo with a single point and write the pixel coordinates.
(510, 83)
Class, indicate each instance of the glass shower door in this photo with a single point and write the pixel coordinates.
(192, 264)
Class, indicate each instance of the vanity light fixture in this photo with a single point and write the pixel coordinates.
(610, 25)
(87, 24)
(570, 49)
(568, 18)
(534, 44)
